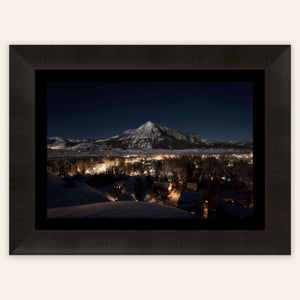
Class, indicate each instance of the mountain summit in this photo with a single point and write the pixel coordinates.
(147, 125)
(154, 136)
(147, 136)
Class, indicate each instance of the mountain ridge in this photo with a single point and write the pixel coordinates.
(147, 136)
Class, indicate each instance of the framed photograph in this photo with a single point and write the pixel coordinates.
(150, 149)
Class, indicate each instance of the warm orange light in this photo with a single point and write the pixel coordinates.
(205, 213)
(101, 168)
(158, 157)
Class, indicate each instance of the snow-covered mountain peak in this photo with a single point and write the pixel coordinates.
(147, 126)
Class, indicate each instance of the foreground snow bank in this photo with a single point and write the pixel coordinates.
(60, 195)
(124, 209)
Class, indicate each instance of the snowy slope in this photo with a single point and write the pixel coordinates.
(59, 194)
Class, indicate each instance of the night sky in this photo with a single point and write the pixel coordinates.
(219, 111)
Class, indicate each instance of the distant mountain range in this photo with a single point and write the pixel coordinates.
(148, 136)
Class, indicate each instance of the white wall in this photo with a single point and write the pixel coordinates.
(148, 22)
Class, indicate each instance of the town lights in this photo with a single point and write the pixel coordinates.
(158, 157)
(101, 168)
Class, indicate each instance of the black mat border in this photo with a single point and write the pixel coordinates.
(256, 77)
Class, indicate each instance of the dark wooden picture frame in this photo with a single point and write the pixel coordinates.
(274, 60)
